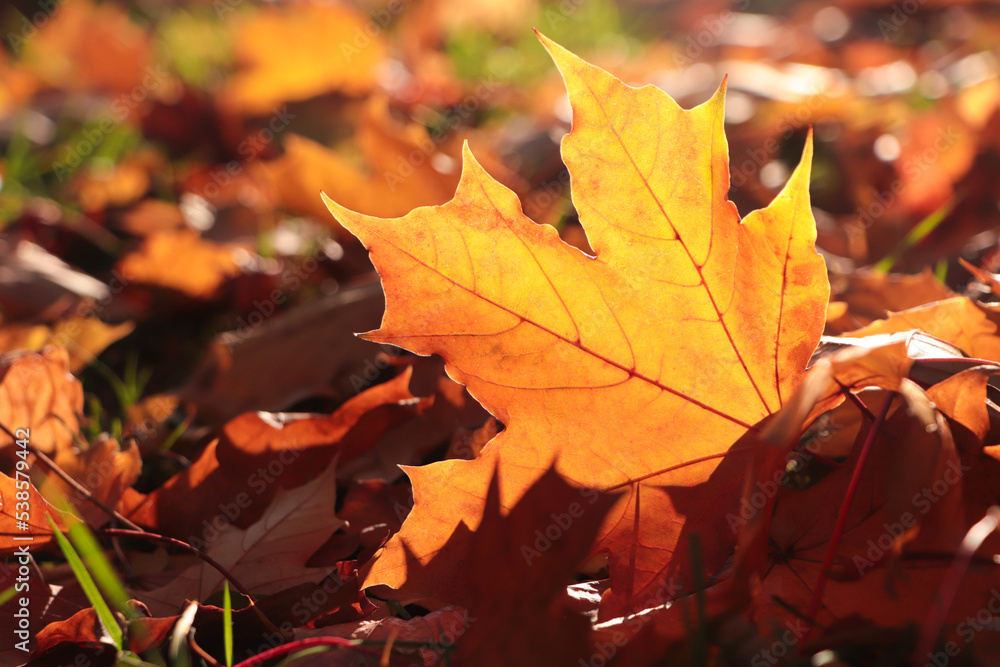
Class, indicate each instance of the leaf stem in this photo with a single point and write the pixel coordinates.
(853, 398)
(199, 651)
(163, 539)
(305, 643)
(54, 468)
(852, 487)
(953, 579)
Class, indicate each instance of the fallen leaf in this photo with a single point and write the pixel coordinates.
(800, 541)
(150, 216)
(636, 369)
(18, 85)
(963, 398)
(79, 638)
(871, 296)
(923, 457)
(905, 519)
(82, 627)
(513, 578)
(512, 572)
(944, 135)
(374, 510)
(266, 557)
(149, 420)
(104, 469)
(293, 352)
(35, 283)
(100, 186)
(373, 501)
(24, 516)
(400, 173)
(83, 337)
(278, 46)
(409, 442)
(38, 393)
(236, 477)
(337, 595)
(88, 46)
(51, 598)
(956, 320)
(180, 261)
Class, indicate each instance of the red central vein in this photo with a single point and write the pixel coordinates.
(680, 239)
(663, 471)
(781, 303)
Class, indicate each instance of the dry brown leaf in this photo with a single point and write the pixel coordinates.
(266, 557)
(37, 392)
(104, 469)
(236, 477)
(293, 352)
(24, 518)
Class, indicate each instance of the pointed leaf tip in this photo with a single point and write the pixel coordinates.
(560, 55)
(335, 209)
(803, 170)
(472, 170)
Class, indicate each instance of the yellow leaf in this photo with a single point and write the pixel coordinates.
(300, 50)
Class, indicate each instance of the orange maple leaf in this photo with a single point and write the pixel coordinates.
(635, 369)
(24, 516)
(181, 261)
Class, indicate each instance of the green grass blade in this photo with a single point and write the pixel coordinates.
(941, 271)
(89, 587)
(7, 595)
(99, 567)
(399, 610)
(916, 235)
(175, 435)
(227, 623)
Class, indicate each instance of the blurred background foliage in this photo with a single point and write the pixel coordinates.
(161, 162)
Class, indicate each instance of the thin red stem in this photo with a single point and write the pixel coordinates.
(806, 454)
(301, 644)
(953, 579)
(199, 651)
(854, 398)
(79, 488)
(852, 487)
(84, 492)
(163, 539)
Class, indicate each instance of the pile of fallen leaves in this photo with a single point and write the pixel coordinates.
(651, 432)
